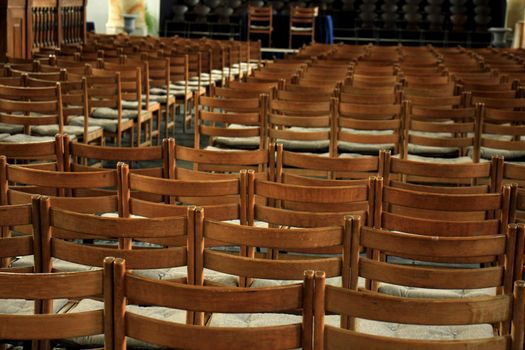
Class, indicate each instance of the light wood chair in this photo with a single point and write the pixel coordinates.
(30, 106)
(484, 177)
(302, 126)
(423, 313)
(81, 157)
(231, 122)
(260, 21)
(105, 105)
(302, 22)
(441, 135)
(209, 299)
(514, 173)
(44, 324)
(367, 128)
(303, 169)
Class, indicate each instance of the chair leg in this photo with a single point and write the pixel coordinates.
(290, 40)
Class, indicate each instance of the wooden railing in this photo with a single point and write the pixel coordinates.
(31, 25)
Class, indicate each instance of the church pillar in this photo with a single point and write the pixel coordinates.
(515, 20)
(116, 8)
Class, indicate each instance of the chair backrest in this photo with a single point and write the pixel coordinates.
(14, 247)
(84, 157)
(422, 176)
(213, 161)
(234, 120)
(313, 205)
(147, 242)
(427, 312)
(260, 15)
(302, 125)
(128, 286)
(52, 151)
(32, 106)
(502, 133)
(515, 173)
(365, 127)
(222, 193)
(386, 250)
(30, 180)
(408, 209)
(308, 169)
(46, 325)
(437, 131)
(303, 16)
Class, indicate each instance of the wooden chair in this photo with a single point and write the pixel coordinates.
(28, 106)
(75, 103)
(15, 246)
(300, 168)
(255, 271)
(503, 132)
(131, 77)
(231, 122)
(52, 181)
(514, 173)
(367, 128)
(222, 193)
(213, 161)
(44, 324)
(209, 299)
(260, 21)
(50, 151)
(397, 207)
(302, 126)
(105, 105)
(145, 160)
(441, 135)
(484, 177)
(159, 75)
(183, 91)
(375, 308)
(302, 22)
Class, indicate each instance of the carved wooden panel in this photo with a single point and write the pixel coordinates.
(29, 25)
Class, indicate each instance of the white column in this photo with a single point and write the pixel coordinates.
(116, 8)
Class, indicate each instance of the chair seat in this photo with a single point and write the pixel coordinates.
(252, 320)
(220, 278)
(423, 332)
(133, 105)
(174, 273)
(238, 142)
(302, 145)
(488, 153)
(51, 130)
(332, 281)
(11, 128)
(256, 27)
(26, 307)
(457, 160)
(59, 265)
(23, 138)
(161, 313)
(413, 292)
(345, 146)
(302, 29)
(111, 113)
(109, 125)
